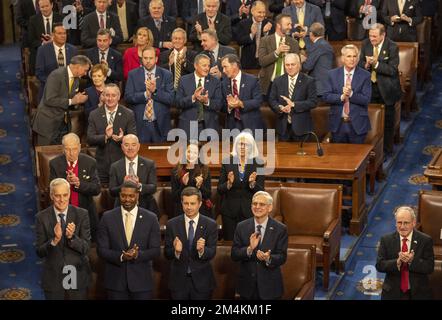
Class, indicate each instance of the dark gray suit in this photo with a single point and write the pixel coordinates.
(147, 175)
(90, 27)
(108, 151)
(53, 110)
(72, 252)
(222, 26)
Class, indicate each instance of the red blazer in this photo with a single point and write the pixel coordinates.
(131, 60)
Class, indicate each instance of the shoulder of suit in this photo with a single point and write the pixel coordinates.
(206, 220)
(85, 157)
(147, 213)
(276, 223)
(77, 210)
(419, 234)
(175, 220)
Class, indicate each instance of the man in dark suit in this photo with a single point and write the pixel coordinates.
(272, 50)
(106, 129)
(128, 241)
(348, 90)
(80, 170)
(401, 18)
(199, 98)
(260, 245)
(429, 7)
(53, 55)
(242, 96)
(320, 57)
(63, 240)
(52, 120)
(191, 244)
(149, 91)
(333, 12)
(362, 10)
(407, 257)
(211, 19)
(161, 25)
(40, 29)
(215, 51)
(101, 18)
(82, 7)
(108, 56)
(190, 9)
(127, 12)
(180, 53)
(248, 33)
(25, 9)
(292, 97)
(170, 7)
(238, 10)
(137, 169)
(380, 56)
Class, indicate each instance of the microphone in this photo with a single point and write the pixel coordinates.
(319, 150)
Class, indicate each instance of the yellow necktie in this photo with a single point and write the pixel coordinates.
(375, 56)
(128, 227)
(71, 83)
(301, 22)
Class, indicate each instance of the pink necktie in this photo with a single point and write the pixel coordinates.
(347, 101)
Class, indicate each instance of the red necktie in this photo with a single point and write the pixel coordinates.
(347, 101)
(101, 22)
(74, 194)
(404, 268)
(235, 94)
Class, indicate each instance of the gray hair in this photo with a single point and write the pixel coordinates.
(58, 182)
(265, 194)
(180, 30)
(81, 60)
(199, 57)
(349, 47)
(293, 55)
(70, 137)
(253, 153)
(211, 33)
(405, 208)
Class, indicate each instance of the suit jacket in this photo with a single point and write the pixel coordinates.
(268, 278)
(304, 97)
(25, 10)
(387, 74)
(222, 51)
(55, 103)
(267, 59)
(147, 175)
(248, 46)
(91, 25)
(170, 8)
(131, 16)
(187, 66)
(200, 267)
(402, 31)
(92, 100)
(162, 35)
(189, 10)
(132, 61)
(162, 99)
(134, 275)
(189, 109)
(250, 95)
(222, 27)
(114, 62)
(360, 32)
(108, 151)
(232, 10)
(429, 7)
(419, 269)
(312, 14)
(237, 201)
(72, 252)
(361, 86)
(47, 60)
(335, 24)
(320, 59)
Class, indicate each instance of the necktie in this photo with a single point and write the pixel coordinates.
(347, 101)
(101, 21)
(200, 105)
(177, 71)
(148, 110)
(111, 118)
(327, 8)
(200, 6)
(301, 22)
(404, 268)
(128, 227)
(235, 94)
(191, 235)
(74, 199)
(131, 169)
(63, 224)
(211, 24)
(71, 83)
(103, 55)
(375, 56)
(258, 39)
(158, 24)
(279, 61)
(60, 60)
(401, 6)
(48, 26)
(291, 89)
(259, 232)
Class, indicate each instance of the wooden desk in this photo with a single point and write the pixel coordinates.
(340, 162)
(434, 171)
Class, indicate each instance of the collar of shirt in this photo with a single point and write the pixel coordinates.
(105, 52)
(264, 226)
(158, 20)
(293, 78)
(176, 53)
(98, 16)
(153, 71)
(135, 161)
(379, 46)
(75, 163)
(133, 213)
(352, 72)
(108, 113)
(65, 212)
(186, 221)
(48, 17)
(212, 18)
(58, 48)
(197, 79)
(254, 21)
(409, 237)
(302, 9)
(215, 52)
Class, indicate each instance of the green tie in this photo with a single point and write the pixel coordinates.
(200, 105)
(279, 62)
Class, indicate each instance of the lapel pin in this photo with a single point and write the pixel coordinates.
(201, 227)
(271, 228)
(141, 217)
(119, 113)
(141, 164)
(84, 170)
(415, 241)
(103, 115)
(242, 86)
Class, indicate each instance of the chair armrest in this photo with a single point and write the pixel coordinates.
(333, 232)
(306, 292)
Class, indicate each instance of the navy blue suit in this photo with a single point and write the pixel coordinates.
(335, 25)
(91, 25)
(361, 87)
(189, 109)
(320, 59)
(135, 275)
(114, 61)
(92, 100)
(162, 99)
(232, 10)
(159, 36)
(305, 99)
(250, 95)
(200, 268)
(256, 278)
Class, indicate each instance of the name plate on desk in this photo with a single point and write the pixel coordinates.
(158, 147)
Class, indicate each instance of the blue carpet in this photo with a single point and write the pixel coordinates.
(19, 270)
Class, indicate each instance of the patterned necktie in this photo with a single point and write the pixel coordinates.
(373, 71)
(131, 169)
(101, 21)
(235, 94)
(63, 224)
(103, 55)
(258, 39)
(60, 59)
(148, 110)
(404, 268)
(48, 26)
(200, 105)
(177, 71)
(111, 119)
(291, 90)
(128, 230)
(158, 24)
(301, 22)
(347, 101)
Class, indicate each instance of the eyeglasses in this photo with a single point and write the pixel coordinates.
(259, 204)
